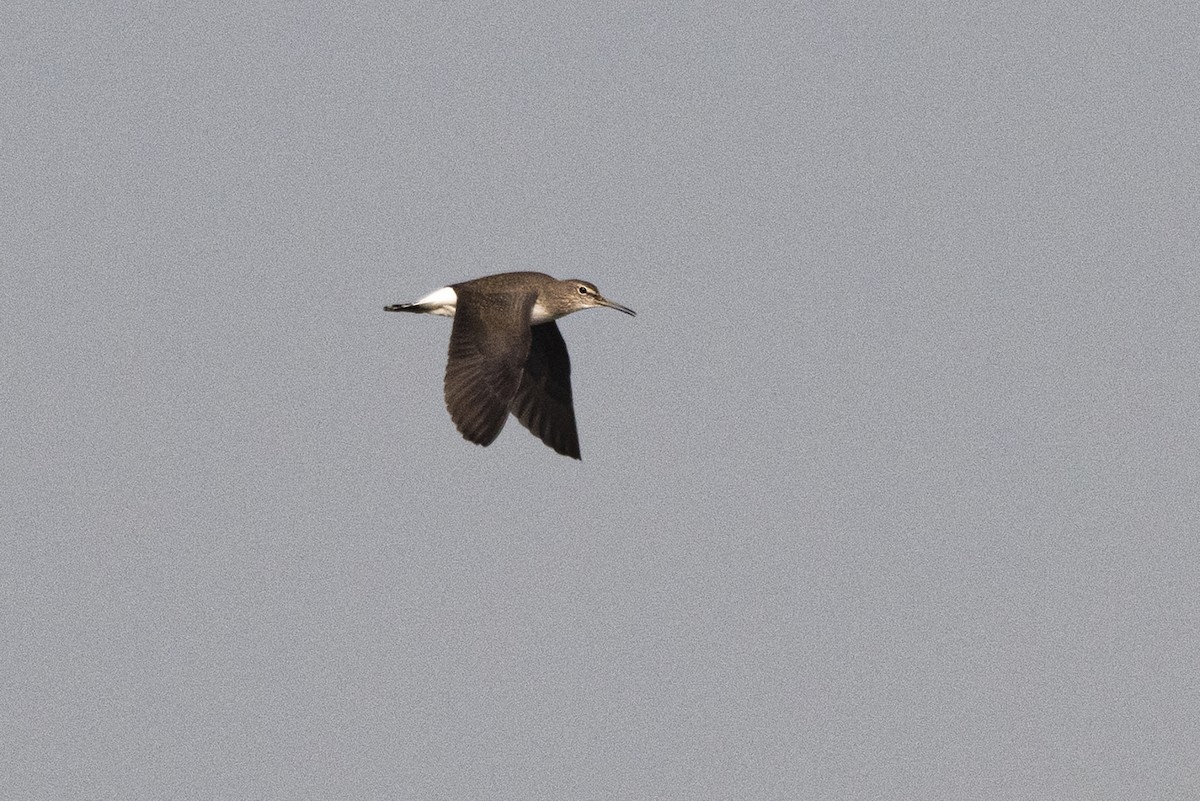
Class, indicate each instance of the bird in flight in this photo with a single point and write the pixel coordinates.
(507, 355)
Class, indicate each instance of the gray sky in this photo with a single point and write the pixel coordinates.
(889, 491)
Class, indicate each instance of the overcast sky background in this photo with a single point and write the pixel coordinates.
(888, 491)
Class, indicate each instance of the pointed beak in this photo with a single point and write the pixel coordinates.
(613, 305)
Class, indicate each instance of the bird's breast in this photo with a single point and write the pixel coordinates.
(539, 314)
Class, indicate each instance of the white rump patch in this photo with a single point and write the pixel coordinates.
(441, 302)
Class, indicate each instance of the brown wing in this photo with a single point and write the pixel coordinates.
(489, 344)
(543, 401)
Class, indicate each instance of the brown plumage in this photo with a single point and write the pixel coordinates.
(507, 355)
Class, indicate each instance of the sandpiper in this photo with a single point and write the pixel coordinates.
(506, 354)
